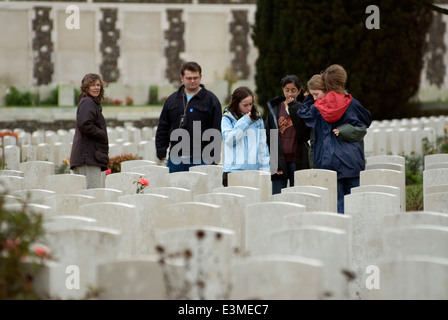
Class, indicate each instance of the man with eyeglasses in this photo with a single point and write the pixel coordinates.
(186, 115)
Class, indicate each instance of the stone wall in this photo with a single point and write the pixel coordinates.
(131, 43)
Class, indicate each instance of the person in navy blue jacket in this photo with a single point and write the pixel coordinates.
(329, 115)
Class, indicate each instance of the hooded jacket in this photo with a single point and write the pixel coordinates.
(90, 142)
(302, 135)
(245, 146)
(330, 152)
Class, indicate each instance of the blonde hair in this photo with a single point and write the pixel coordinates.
(335, 78)
(316, 83)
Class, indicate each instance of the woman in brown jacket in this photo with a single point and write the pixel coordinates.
(90, 148)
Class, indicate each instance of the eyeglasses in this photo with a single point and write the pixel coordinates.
(192, 78)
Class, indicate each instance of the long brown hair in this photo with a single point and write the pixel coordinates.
(239, 94)
(86, 82)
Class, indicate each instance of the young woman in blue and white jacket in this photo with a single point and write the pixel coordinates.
(243, 134)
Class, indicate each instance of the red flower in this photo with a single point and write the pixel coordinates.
(41, 252)
(108, 171)
(144, 181)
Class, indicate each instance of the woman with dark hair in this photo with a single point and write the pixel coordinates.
(291, 133)
(90, 148)
(243, 134)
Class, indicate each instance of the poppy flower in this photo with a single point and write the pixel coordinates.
(144, 181)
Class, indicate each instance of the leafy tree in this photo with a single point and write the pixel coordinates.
(304, 37)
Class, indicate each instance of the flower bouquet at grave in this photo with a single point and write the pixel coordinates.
(141, 184)
(115, 162)
(64, 167)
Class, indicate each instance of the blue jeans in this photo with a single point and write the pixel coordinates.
(278, 185)
(344, 187)
(185, 165)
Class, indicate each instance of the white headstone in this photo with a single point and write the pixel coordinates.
(197, 182)
(386, 177)
(412, 278)
(67, 204)
(77, 253)
(329, 245)
(175, 194)
(133, 279)
(260, 219)
(254, 179)
(126, 182)
(35, 172)
(208, 264)
(65, 183)
(102, 194)
(253, 195)
(271, 277)
(146, 205)
(320, 178)
(232, 210)
(120, 216)
(324, 193)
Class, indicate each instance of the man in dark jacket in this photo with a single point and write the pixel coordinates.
(185, 117)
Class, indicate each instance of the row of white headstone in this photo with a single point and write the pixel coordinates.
(187, 237)
(55, 146)
(396, 137)
(404, 136)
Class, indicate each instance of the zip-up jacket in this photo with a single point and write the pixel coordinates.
(203, 109)
(245, 146)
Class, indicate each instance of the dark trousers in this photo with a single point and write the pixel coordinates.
(278, 185)
(344, 187)
(225, 182)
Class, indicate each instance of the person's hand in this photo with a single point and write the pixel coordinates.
(289, 100)
(279, 172)
(248, 114)
(336, 132)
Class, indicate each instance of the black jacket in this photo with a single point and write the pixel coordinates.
(90, 142)
(203, 107)
(302, 135)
